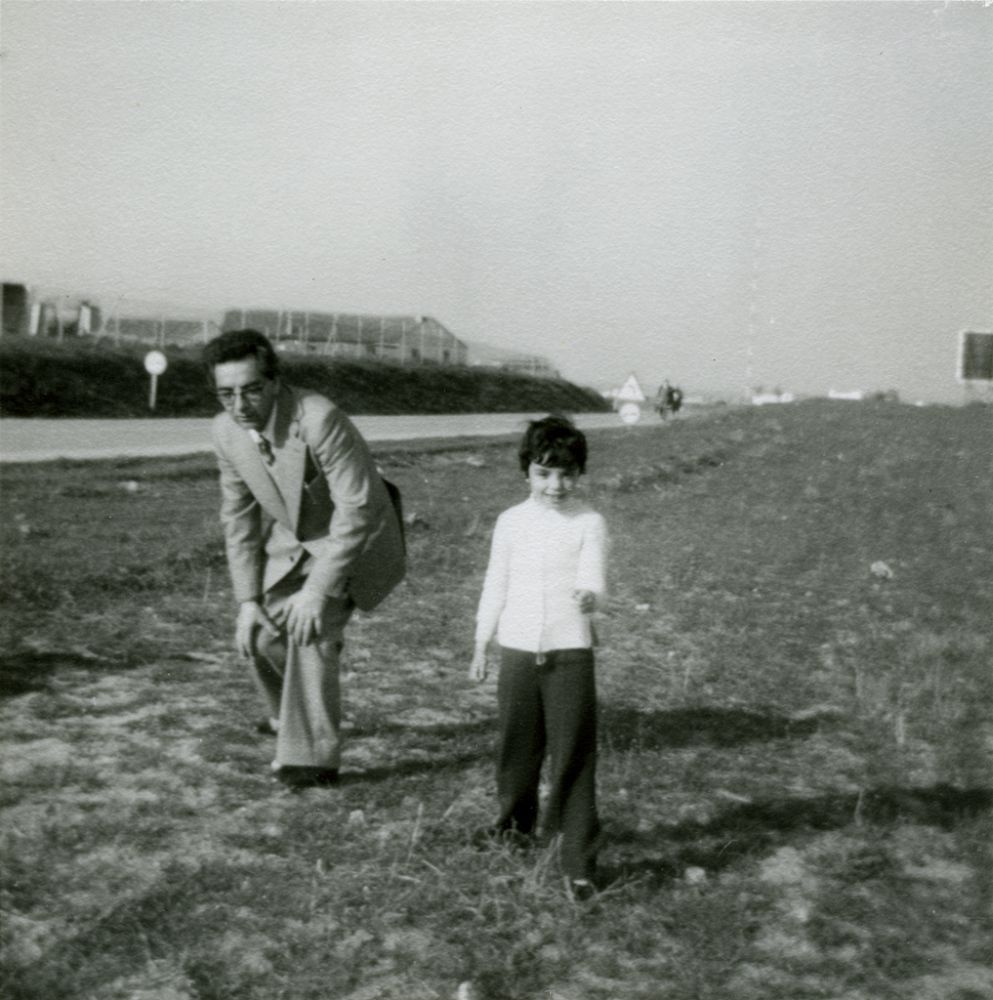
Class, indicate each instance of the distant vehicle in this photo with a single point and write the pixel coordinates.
(669, 399)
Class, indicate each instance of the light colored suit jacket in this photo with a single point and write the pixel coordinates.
(322, 496)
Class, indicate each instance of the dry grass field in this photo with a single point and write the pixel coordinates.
(796, 735)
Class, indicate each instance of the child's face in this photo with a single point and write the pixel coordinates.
(551, 486)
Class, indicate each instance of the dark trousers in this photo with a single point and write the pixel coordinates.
(550, 706)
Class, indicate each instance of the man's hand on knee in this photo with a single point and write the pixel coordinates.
(251, 617)
(304, 613)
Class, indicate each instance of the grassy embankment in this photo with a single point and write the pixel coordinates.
(794, 776)
(85, 378)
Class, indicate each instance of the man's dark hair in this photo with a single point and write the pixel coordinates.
(553, 441)
(237, 344)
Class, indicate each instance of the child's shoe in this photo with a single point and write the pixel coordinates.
(580, 890)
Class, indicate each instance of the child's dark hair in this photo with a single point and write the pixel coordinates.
(237, 344)
(553, 441)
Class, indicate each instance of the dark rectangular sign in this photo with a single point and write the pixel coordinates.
(976, 357)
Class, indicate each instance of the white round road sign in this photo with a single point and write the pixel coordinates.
(155, 363)
(630, 413)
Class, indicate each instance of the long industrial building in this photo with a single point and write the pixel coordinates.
(403, 339)
(53, 313)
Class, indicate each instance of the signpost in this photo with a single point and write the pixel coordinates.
(631, 390)
(630, 396)
(630, 413)
(155, 364)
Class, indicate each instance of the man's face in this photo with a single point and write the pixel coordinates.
(245, 392)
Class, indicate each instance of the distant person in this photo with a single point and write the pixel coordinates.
(668, 399)
(310, 533)
(662, 399)
(546, 576)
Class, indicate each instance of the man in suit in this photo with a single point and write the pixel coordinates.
(310, 533)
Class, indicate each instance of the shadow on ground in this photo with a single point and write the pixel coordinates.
(621, 728)
(439, 748)
(624, 727)
(451, 746)
(759, 828)
(31, 670)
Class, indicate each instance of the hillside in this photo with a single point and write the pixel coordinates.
(99, 379)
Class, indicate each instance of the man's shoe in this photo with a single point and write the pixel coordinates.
(265, 727)
(307, 777)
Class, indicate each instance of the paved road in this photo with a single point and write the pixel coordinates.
(42, 440)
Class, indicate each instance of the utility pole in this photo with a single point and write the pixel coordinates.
(753, 287)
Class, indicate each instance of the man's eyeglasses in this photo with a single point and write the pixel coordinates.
(251, 393)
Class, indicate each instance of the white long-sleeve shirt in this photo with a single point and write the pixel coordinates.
(538, 558)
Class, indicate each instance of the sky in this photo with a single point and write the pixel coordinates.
(725, 195)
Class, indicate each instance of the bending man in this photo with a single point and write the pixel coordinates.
(310, 533)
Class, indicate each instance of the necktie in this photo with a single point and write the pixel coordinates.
(265, 449)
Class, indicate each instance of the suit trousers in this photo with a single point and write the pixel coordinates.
(300, 684)
(550, 706)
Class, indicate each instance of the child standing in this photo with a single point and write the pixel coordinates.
(545, 578)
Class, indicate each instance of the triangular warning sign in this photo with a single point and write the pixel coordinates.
(631, 391)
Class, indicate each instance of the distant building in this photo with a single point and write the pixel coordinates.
(16, 308)
(30, 310)
(47, 312)
(530, 364)
(488, 356)
(766, 398)
(153, 323)
(402, 339)
(411, 340)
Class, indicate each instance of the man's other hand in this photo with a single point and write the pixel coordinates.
(303, 615)
(251, 617)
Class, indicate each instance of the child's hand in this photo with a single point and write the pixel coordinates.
(585, 601)
(477, 668)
